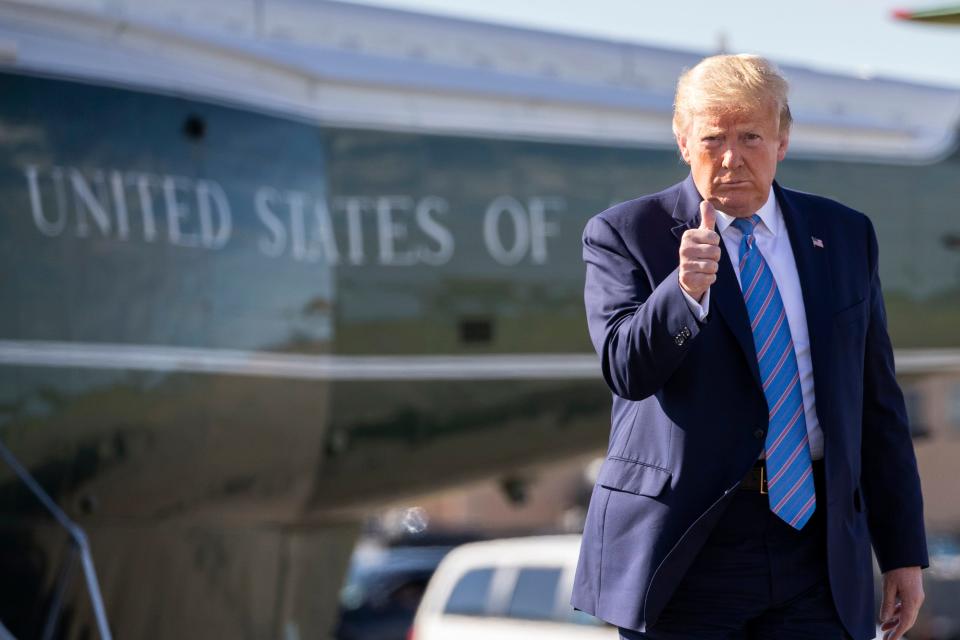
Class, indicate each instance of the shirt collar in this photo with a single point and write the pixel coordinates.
(769, 214)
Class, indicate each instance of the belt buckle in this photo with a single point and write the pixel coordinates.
(763, 479)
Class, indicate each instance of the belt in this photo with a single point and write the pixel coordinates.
(756, 478)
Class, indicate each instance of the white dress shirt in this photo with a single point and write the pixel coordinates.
(774, 244)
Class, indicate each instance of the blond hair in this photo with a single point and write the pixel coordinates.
(740, 82)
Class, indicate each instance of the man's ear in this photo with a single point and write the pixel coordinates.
(782, 148)
(682, 145)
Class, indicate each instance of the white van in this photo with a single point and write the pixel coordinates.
(512, 589)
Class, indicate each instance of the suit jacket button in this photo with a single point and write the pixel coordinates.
(759, 433)
(686, 332)
(679, 339)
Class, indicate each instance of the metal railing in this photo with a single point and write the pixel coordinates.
(81, 545)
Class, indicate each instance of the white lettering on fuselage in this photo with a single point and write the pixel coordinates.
(394, 230)
(196, 211)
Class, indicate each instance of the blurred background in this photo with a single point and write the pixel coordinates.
(291, 294)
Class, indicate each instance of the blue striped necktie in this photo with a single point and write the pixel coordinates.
(789, 469)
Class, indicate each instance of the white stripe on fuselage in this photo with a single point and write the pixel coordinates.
(292, 365)
(542, 366)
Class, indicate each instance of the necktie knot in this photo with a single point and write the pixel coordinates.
(746, 225)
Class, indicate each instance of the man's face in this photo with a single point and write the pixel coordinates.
(733, 157)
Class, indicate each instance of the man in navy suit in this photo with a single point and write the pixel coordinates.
(759, 440)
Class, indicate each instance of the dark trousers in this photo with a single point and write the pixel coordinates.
(756, 578)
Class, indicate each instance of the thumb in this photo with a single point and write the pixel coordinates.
(708, 215)
(889, 598)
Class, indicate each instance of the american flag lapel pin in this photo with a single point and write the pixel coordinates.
(817, 242)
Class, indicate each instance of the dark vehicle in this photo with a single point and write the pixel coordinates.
(386, 581)
(383, 589)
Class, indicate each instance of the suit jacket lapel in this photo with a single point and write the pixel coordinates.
(813, 268)
(726, 296)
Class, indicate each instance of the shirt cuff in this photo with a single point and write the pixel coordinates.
(699, 309)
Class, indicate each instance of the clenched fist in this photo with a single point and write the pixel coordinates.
(700, 254)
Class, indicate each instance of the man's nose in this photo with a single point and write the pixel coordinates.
(731, 157)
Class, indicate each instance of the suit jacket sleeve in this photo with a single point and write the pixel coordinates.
(641, 330)
(889, 477)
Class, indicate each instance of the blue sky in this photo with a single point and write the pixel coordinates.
(849, 36)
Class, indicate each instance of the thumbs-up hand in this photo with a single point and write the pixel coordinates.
(700, 254)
